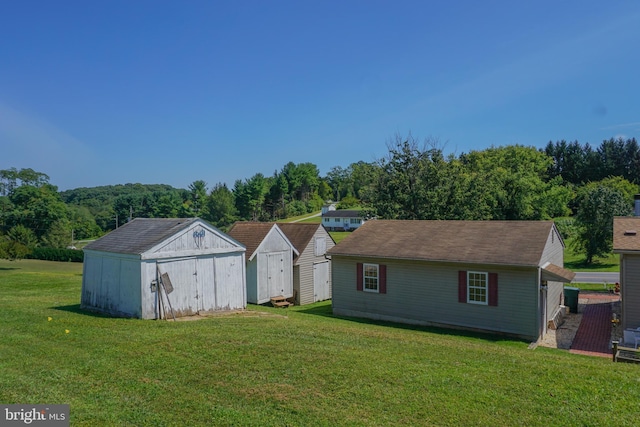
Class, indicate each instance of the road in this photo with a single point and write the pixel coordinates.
(592, 277)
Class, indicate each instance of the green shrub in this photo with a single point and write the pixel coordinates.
(57, 254)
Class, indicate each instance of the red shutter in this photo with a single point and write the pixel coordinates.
(462, 286)
(359, 277)
(493, 289)
(382, 277)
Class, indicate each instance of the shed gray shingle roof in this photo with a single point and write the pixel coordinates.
(140, 235)
(482, 242)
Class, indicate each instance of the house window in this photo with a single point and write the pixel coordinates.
(327, 219)
(370, 277)
(477, 287)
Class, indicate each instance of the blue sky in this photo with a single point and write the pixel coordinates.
(114, 92)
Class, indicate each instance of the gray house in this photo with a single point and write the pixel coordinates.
(269, 260)
(503, 277)
(311, 268)
(159, 268)
(626, 243)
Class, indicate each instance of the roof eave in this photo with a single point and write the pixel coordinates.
(434, 260)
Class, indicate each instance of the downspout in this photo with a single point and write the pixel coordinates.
(540, 326)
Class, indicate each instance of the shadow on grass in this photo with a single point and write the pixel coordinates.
(325, 310)
(75, 308)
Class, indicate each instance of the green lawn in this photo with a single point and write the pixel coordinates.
(296, 366)
(576, 261)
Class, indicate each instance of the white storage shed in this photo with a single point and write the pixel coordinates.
(154, 268)
(269, 260)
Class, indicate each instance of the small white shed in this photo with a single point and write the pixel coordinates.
(269, 260)
(154, 268)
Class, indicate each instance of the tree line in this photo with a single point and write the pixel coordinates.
(414, 180)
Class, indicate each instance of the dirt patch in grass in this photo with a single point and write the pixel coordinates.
(229, 313)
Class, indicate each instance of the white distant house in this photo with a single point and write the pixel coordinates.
(155, 268)
(342, 219)
(329, 207)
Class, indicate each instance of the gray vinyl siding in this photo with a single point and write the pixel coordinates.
(554, 253)
(427, 293)
(630, 279)
(303, 282)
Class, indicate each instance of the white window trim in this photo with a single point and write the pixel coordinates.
(377, 277)
(486, 287)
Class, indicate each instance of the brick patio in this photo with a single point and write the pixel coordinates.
(593, 337)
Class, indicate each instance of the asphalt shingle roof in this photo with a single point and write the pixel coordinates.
(250, 234)
(140, 235)
(483, 242)
(343, 213)
(299, 234)
(626, 233)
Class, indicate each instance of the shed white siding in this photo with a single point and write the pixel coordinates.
(270, 270)
(111, 284)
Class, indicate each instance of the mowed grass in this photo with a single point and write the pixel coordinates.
(298, 367)
(576, 261)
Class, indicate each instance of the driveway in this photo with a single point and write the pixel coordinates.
(593, 277)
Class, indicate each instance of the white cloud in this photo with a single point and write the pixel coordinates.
(635, 125)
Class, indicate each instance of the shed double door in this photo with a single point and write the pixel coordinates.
(275, 274)
(193, 283)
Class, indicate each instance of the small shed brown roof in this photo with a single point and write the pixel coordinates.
(250, 234)
(299, 234)
(626, 234)
(518, 243)
(555, 273)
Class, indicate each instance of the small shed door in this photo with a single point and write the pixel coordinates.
(206, 284)
(275, 274)
(321, 284)
(229, 284)
(184, 278)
